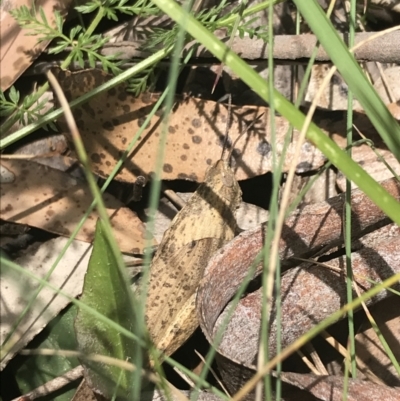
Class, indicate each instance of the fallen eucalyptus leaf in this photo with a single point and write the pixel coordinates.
(109, 121)
(51, 200)
(18, 50)
(16, 290)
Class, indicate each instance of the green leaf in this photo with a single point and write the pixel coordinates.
(33, 371)
(106, 291)
(14, 95)
(74, 31)
(59, 21)
(88, 8)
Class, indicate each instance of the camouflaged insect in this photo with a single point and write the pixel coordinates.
(205, 224)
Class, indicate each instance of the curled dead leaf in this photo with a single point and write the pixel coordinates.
(302, 287)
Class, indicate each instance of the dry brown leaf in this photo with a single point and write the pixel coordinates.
(309, 293)
(330, 388)
(50, 199)
(196, 132)
(17, 50)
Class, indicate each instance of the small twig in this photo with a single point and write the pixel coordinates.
(174, 198)
(286, 47)
(308, 363)
(184, 377)
(213, 373)
(316, 359)
(53, 385)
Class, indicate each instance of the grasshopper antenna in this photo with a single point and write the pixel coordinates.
(228, 122)
(247, 128)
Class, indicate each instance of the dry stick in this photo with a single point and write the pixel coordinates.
(308, 363)
(317, 360)
(228, 124)
(174, 198)
(214, 373)
(343, 351)
(184, 377)
(53, 385)
(296, 48)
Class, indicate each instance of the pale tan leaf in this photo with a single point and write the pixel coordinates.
(17, 289)
(17, 50)
(50, 199)
(372, 164)
(390, 82)
(334, 95)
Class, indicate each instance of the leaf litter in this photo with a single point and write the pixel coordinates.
(195, 124)
(17, 50)
(51, 200)
(11, 167)
(302, 287)
(194, 167)
(16, 290)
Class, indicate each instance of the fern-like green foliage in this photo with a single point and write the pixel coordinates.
(26, 111)
(83, 47)
(212, 19)
(111, 8)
